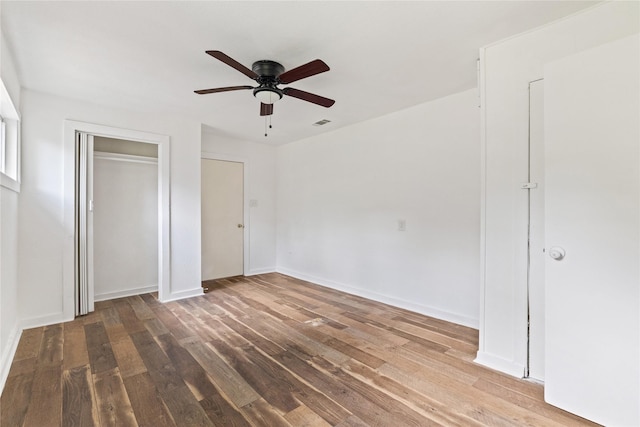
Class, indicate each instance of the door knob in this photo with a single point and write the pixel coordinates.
(240, 226)
(556, 252)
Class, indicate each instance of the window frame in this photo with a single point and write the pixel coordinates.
(9, 116)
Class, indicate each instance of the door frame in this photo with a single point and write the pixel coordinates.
(535, 217)
(245, 200)
(164, 249)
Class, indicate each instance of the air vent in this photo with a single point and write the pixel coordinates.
(322, 122)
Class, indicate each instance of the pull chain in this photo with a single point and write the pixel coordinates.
(265, 124)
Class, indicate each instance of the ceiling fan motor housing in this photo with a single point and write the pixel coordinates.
(267, 69)
(268, 72)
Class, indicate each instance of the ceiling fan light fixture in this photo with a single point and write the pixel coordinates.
(269, 74)
(267, 95)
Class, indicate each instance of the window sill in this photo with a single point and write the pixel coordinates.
(9, 183)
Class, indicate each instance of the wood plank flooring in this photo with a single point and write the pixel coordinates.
(265, 350)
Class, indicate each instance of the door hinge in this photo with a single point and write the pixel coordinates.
(529, 185)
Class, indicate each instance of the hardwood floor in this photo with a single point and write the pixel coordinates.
(264, 350)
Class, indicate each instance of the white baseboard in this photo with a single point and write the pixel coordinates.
(499, 364)
(184, 294)
(7, 355)
(50, 319)
(375, 296)
(125, 293)
(256, 271)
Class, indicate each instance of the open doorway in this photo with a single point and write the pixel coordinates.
(125, 218)
(160, 146)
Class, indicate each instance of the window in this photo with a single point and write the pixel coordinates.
(2, 142)
(9, 141)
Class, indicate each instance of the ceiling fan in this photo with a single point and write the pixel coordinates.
(269, 74)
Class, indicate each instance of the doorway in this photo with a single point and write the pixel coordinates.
(125, 218)
(223, 218)
(70, 265)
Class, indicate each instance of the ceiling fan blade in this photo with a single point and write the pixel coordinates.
(233, 63)
(307, 70)
(221, 89)
(309, 97)
(266, 109)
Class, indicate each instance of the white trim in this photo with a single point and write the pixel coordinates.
(164, 219)
(483, 198)
(103, 155)
(499, 364)
(9, 183)
(386, 299)
(185, 294)
(256, 271)
(49, 319)
(164, 241)
(10, 112)
(8, 354)
(126, 293)
(246, 267)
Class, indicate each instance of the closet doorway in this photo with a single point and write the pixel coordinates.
(79, 260)
(125, 218)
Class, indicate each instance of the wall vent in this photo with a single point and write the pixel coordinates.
(322, 122)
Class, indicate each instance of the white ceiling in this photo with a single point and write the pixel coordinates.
(150, 56)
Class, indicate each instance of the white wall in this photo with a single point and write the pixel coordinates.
(341, 194)
(125, 225)
(260, 161)
(9, 71)
(41, 232)
(9, 331)
(507, 68)
(8, 278)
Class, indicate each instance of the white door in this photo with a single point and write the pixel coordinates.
(222, 219)
(84, 300)
(536, 280)
(592, 143)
